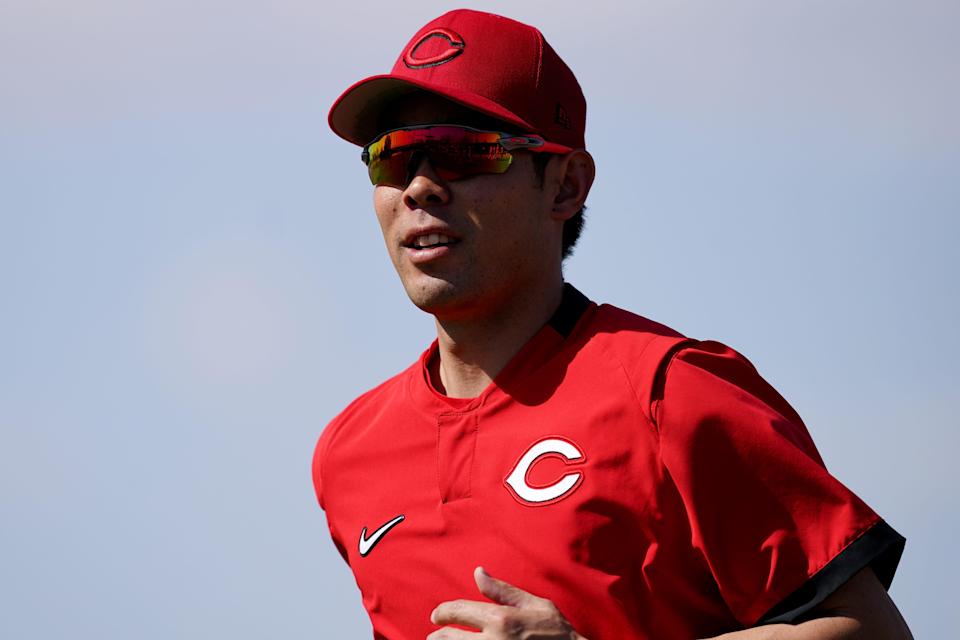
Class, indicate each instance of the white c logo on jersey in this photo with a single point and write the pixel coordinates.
(537, 496)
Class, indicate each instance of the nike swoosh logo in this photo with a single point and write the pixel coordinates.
(366, 544)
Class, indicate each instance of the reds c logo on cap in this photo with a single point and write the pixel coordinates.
(455, 45)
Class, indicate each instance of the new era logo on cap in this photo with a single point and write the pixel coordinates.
(491, 64)
(563, 118)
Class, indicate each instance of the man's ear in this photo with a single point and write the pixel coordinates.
(575, 173)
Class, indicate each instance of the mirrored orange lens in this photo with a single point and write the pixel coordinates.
(454, 153)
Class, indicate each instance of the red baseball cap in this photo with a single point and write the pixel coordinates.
(494, 65)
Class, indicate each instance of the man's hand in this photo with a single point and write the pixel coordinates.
(518, 615)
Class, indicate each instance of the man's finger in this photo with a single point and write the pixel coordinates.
(467, 613)
(501, 591)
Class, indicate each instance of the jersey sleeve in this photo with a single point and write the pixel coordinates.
(319, 460)
(776, 530)
(316, 468)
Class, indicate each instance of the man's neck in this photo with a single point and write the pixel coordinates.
(472, 352)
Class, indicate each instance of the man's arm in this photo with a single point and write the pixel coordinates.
(860, 609)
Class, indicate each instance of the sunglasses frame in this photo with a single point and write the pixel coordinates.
(510, 142)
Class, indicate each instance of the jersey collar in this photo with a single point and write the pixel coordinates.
(516, 375)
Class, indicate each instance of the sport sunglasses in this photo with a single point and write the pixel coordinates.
(454, 151)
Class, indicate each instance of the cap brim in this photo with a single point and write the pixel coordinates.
(355, 116)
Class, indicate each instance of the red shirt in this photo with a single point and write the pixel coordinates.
(649, 485)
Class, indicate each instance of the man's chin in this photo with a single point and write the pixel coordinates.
(432, 299)
(435, 296)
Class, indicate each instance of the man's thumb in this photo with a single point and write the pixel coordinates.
(500, 591)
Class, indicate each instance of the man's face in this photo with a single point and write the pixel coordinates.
(504, 240)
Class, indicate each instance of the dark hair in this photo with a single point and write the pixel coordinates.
(572, 227)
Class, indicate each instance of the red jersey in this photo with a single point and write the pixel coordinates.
(649, 485)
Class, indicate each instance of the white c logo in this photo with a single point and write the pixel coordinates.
(536, 496)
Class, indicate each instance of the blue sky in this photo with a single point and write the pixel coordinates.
(193, 281)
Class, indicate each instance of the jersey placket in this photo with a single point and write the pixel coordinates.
(456, 447)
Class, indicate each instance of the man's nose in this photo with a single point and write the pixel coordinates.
(425, 187)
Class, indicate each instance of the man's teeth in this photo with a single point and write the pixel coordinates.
(430, 240)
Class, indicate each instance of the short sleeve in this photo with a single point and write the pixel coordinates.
(777, 531)
(316, 468)
(319, 460)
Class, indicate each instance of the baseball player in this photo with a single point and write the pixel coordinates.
(550, 467)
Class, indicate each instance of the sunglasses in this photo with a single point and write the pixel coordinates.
(455, 152)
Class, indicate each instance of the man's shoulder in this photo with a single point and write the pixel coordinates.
(628, 334)
(373, 401)
(613, 317)
(364, 409)
(634, 345)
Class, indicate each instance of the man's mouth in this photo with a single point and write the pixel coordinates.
(431, 240)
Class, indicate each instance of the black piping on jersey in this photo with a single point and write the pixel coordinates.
(879, 548)
(572, 305)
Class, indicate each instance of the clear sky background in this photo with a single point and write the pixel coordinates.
(192, 280)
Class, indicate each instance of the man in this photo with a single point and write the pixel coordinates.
(618, 479)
